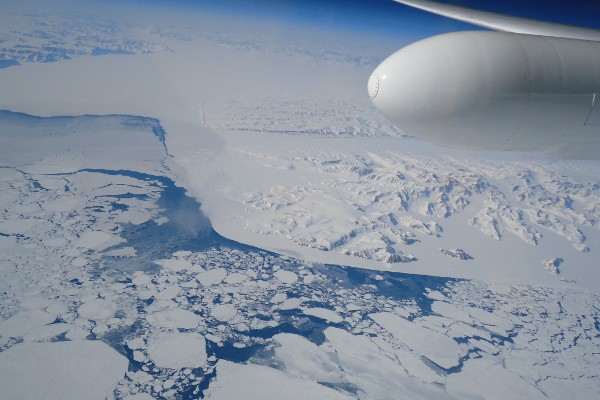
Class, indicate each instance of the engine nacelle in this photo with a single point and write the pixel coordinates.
(495, 91)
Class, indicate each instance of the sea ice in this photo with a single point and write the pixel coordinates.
(278, 298)
(224, 312)
(357, 355)
(178, 318)
(24, 322)
(439, 348)
(97, 310)
(82, 370)
(178, 350)
(138, 396)
(212, 276)
(306, 359)
(286, 276)
(323, 313)
(256, 382)
(175, 264)
(46, 332)
(236, 278)
(290, 304)
(97, 240)
(136, 343)
(500, 383)
(17, 226)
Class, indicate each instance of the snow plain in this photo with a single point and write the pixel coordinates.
(285, 153)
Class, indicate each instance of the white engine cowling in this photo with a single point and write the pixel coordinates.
(495, 91)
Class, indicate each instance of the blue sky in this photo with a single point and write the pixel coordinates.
(386, 16)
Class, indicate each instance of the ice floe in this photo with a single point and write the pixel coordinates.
(178, 350)
(64, 370)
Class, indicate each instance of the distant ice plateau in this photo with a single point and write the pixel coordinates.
(43, 38)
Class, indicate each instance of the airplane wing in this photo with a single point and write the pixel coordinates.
(504, 23)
